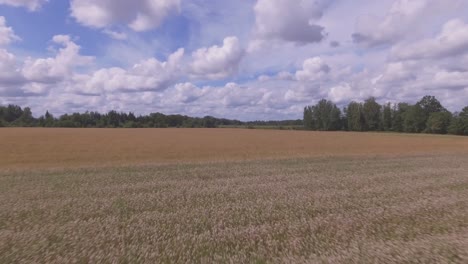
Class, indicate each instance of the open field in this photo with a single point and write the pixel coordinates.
(228, 195)
(348, 210)
(36, 147)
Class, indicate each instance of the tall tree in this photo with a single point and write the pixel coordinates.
(387, 117)
(459, 123)
(309, 122)
(26, 118)
(2, 119)
(355, 117)
(371, 111)
(414, 119)
(399, 112)
(12, 112)
(429, 105)
(325, 116)
(439, 122)
(49, 120)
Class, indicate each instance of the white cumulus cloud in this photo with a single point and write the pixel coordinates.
(452, 41)
(404, 19)
(372, 30)
(313, 69)
(342, 93)
(56, 68)
(292, 21)
(148, 75)
(217, 62)
(9, 69)
(7, 35)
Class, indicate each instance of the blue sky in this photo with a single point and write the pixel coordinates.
(250, 59)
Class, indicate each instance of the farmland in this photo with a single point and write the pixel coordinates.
(45, 148)
(231, 195)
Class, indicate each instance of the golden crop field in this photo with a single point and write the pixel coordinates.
(57, 147)
(231, 196)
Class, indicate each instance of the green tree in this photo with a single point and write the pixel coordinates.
(209, 122)
(344, 119)
(429, 104)
(458, 126)
(459, 123)
(130, 124)
(439, 122)
(12, 113)
(399, 112)
(355, 117)
(2, 118)
(309, 122)
(387, 117)
(371, 111)
(49, 120)
(414, 119)
(26, 118)
(113, 119)
(324, 116)
(2, 110)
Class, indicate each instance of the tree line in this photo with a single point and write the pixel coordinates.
(426, 116)
(15, 116)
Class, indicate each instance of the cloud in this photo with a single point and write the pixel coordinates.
(9, 70)
(115, 35)
(234, 95)
(422, 49)
(71, 71)
(10, 73)
(398, 72)
(452, 41)
(408, 81)
(292, 21)
(58, 68)
(148, 75)
(313, 69)
(139, 15)
(372, 30)
(249, 101)
(454, 80)
(281, 76)
(217, 62)
(37, 76)
(405, 18)
(31, 5)
(7, 35)
(186, 93)
(309, 83)
(343, 92)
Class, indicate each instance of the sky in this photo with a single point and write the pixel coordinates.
(239, 59)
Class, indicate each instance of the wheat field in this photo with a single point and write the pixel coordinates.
(56, 147)
(231, 196)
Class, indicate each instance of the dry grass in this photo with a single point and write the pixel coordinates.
(329, 210)
(271, 196)
(33, 148)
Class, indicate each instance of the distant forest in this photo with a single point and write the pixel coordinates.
(426, 116)
(15, 116)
